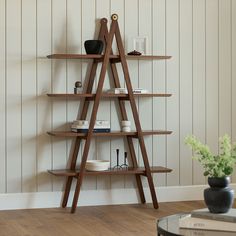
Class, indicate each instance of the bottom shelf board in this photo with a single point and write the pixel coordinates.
(129, 171)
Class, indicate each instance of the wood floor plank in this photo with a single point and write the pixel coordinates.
(115, 220)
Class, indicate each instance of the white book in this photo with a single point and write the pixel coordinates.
(140, 90)
(200, 232)
(230, 216)
(117, 91)
(205, 224)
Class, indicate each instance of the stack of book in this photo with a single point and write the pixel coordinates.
(125, 91)
(82, 126)
(204, 220)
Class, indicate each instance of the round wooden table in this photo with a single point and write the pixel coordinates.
(169, 226)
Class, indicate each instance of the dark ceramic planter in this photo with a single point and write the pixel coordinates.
(93, 46)
(219, 197)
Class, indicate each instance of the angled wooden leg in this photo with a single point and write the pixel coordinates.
(129, 139)
(135, 164)
(136, 117)
(83, 117)
(93, 115)
(125, 117)
(70, 178)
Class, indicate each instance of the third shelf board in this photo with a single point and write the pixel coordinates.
(129, 171)
(111, 134)
(105, 95)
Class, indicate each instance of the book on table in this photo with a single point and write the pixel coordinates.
(197, 232)
(205, 224)
(230, 216)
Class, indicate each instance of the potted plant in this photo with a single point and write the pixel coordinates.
(219, 197)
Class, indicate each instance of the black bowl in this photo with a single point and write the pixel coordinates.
(93, 46)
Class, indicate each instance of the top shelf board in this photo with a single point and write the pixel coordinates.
(106, 95)
(98, 56)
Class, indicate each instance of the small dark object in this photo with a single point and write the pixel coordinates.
(78, 84)
(219, 197)
(93, 46)
(125, 161)
(117, 167)
(78, 87)
(135, 53)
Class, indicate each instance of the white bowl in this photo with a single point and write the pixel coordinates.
(97, 165)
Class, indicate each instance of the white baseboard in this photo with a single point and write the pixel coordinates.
(11, 201)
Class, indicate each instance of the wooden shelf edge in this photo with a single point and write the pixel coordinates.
(98, 56)
(105, 95)
(130, 171)
(110, 134)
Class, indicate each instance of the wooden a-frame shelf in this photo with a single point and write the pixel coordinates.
(129, 171)
(105, 95)
(108, 58)
(111, 134)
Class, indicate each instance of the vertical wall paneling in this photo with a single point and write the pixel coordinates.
(13, 90)
(212, 74)
(225, 67)
(103, 144)
(88, 32)
(172, 48)
(199, 81)
(74, 67)
(145, 74)
(29, 174)
(200, 35)
(44, 104)
(131, 30)
(159, 85)
(233, 68)
(59, 86)
(185, 85)
(2, 98)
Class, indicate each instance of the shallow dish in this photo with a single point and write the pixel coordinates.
(97, 165)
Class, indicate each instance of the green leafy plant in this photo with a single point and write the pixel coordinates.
(214, 165)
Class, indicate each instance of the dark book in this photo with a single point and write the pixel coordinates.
(230, 216)
(103, 130)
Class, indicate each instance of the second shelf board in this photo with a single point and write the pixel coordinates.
(105, 95)
(130, 171)
(110, 134)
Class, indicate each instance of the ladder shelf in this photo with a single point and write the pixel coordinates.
(108, 58)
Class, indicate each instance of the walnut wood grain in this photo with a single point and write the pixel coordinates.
(110, 134)
(104, 95)
(130, 171)
(96, 56)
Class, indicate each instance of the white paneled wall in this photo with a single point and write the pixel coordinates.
(199, 34)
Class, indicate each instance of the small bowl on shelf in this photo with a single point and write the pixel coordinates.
(93, 46)
(97, 165)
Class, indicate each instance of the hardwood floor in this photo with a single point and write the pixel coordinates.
(127, 220)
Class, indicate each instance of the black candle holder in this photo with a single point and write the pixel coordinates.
(125, 165)
(117, 166)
